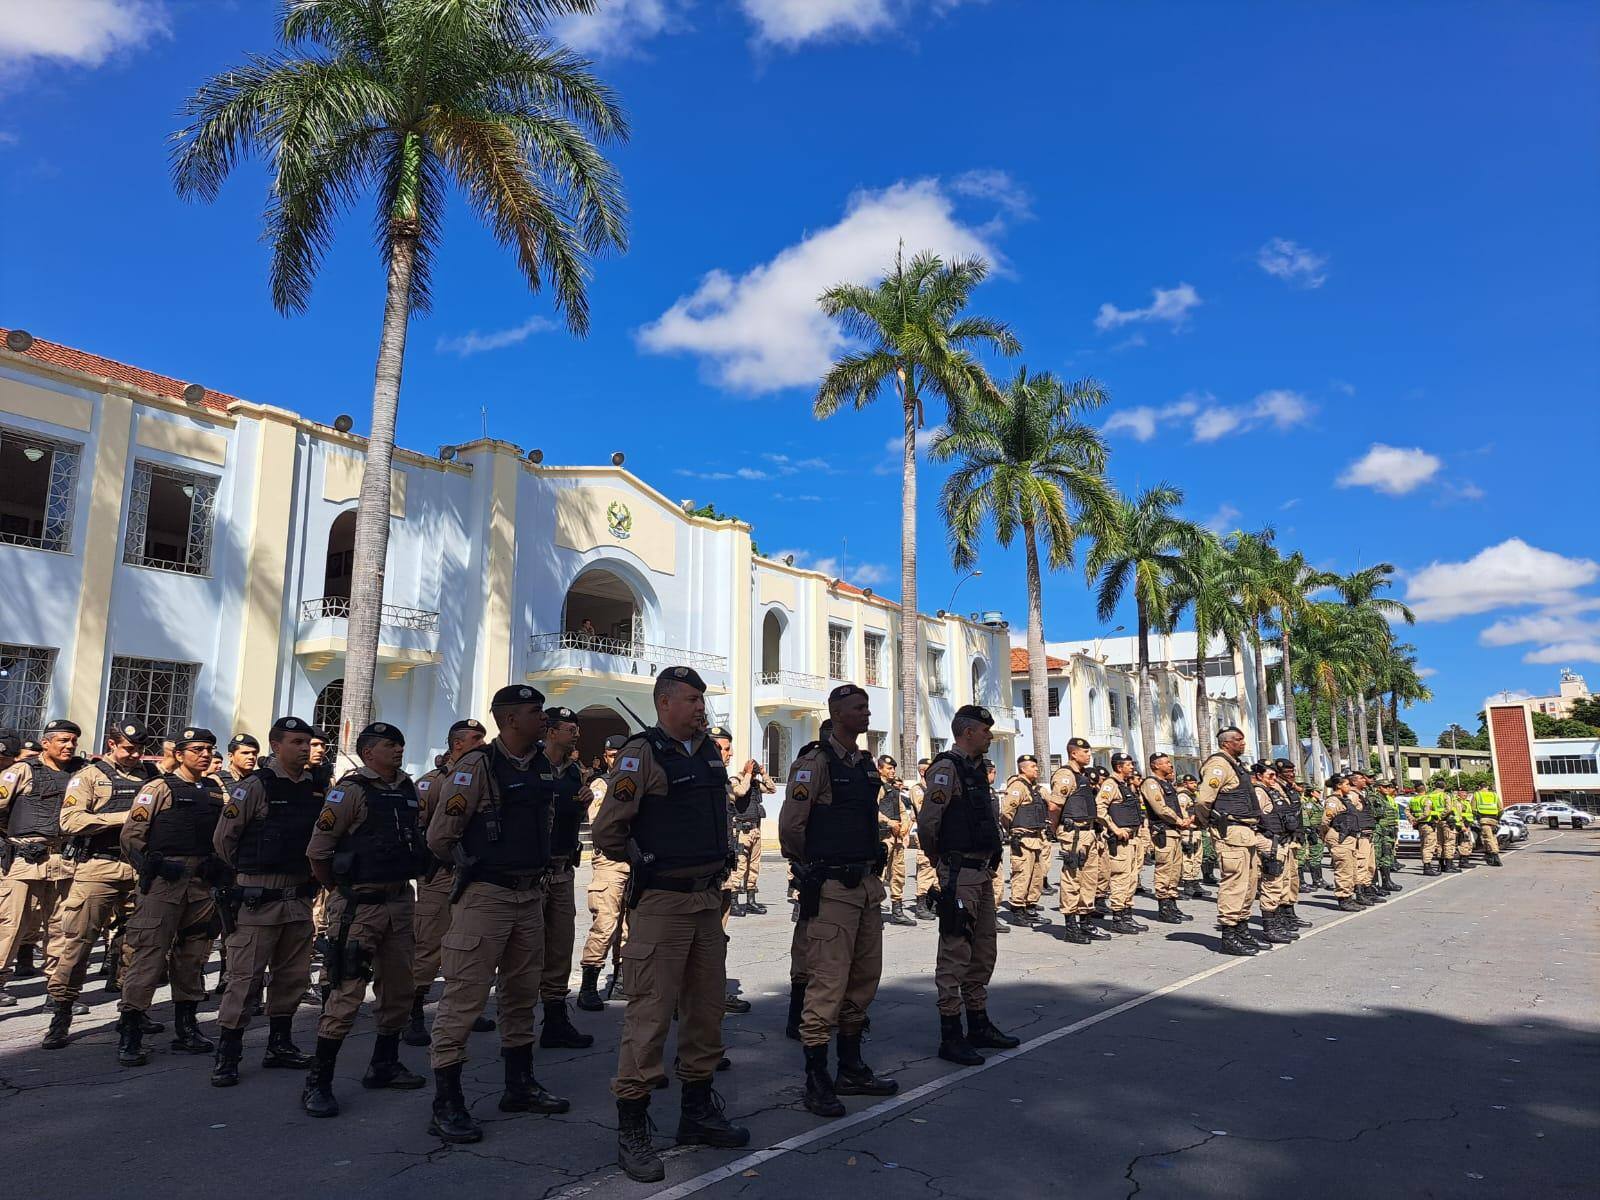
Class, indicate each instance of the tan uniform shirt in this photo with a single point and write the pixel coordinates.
(1336, 804)
(1155, 803)
(463, 786)
(1108, 795)
(88, 791)
(17, 781)
(343, 811)
(1219, 773)
(809, 784)
(155, 799)
(1018, 792)
(247, 804)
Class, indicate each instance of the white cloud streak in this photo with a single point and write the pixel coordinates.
(1169, 305)
(1293, 263)
(1511, 574)
(1392, 470)
(1208, 420)
(862, 574)
(619, 28)
(80, 32)
(467, 344)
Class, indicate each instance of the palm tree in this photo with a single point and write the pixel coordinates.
(402, 98)
(1402, 681)
(1204, 587)
(1360, 591)
(1142, 547)
(1299, 580)
(1028, 463)
(1261, 586)
(918, 343)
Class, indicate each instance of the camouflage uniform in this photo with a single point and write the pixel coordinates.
(1208, 857)
(1386, 834)
(1311, 846)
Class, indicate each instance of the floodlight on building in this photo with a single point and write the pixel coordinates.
(194, 393)
(344, 422)
(447, 453)
(616, 458)
(536, 456)
(18, 340)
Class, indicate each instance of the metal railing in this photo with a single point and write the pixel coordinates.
(592, 643)
(796, 678)
(1003, 712)
(393, 615)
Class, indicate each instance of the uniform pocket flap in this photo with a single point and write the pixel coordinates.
(465, 942)
(637, 951)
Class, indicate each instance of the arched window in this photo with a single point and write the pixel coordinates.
(325, 716)
(340, 566)
(980, 673)
(603, 611)
(771, 643)
(775, 752)
(1094, 713)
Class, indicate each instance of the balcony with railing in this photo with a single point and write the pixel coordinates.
(407, 637)
(572, 651)
(790, 689)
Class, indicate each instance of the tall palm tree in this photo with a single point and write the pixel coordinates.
(1299, 580)
(1403, 682)
(1360, 591)
(1204, 587)
(916, 342)
(1262, 586)
(401, 99)
(1029, 464)
(1141, 548)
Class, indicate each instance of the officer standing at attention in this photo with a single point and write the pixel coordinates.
(1025, 814)
(1341, 830)
(894, 823)
(747, 830)
(959, 829)
(1168, 825)
(1122, 818)
(1072, 815)
(828, 828)
(93, 810)
(31, 792)
(366, 849)
(560, 897)
(266, 823)
(1272, 874)
(608, 880)
(1420, 807)
(493, 818)
(1386, 834)
(1486, 811)
(243, 753)
(799, 943)
(927, 876)
(743, 791)
(431, 916)
(1366, 859)
(168, 839)
(666, 810)
(1293, 820)
(1191, 840)
(1227, 804)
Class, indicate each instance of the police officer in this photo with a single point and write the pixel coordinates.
(927, 876)
(93, 810)
(266, 824)
(1420, 807)
(1386, 834)
(1294, 819)
(743, 791)
(366, 849)
(493, 819)
(1341, 830)
(749, 786)
(828, 828)
(1168, 823)
(1228, 805)
(1122, 820)
(243, 753)
(1486, 811)
(666, 811)
(960, 831)
(317, 763)
(168, 839)
(1192, 840)
(1273, 875)
(560, 897)
(31, 793)
(799, 942)
(1072, 815)
(894, 824)
(1361, 785)
(431, 916)
(608, 915)
(1025, 814)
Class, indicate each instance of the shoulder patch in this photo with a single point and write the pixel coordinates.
(624, 789)
(326, 820)
(230, 811)
(336, 796)
(631, 763)
(462, 778)
(455, 806)
(139, 814)
(424, 784)
(802, 776)
(941, 777)
(238, 793)
(145, 798)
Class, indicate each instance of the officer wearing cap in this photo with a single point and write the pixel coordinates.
(828, 828)
(366, 848)
(894, 824)
(244, 751)
(1272, 873)
(93, 811)
(1341, 828)
(493, 818)
(1072, 816)
(1299, 833)
(431, 916)
(560, 895)
(168, 840)
(666, 810)
(1122, 818)
(927, 876)
(1025, 813)
(266, 824)
(31, 794)
(608, 915)
(1167, 824)
(960, 831)
(743, 791)
(10, 747)
(1227, 804)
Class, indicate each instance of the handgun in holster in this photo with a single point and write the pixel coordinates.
(227, 901)
(955, 919)
(465, 866)
(1271, 864)
(641, 869)
(809, 879)
(1158, 835)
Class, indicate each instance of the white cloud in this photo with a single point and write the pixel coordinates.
(862, 574)
(467, 344)
(1292, 502)
(1511, 574)
(82, 32)
(1171, 305)
(1552, 624)
(1392, 470)
(1143, 421)
(1292, 263)
(1566, 652)
(784, 498)
(1427, 672)
(791, 23)
(991, 184)
(620, 27)
(762, 331)
(1209, 420)
(714, 476)
(1284, 409)
(1224, 520)
(8, 138)
(1214, 423)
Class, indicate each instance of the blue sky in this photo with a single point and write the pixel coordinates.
(1337, 265)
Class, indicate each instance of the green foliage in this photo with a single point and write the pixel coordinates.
(1470, 781)
(1463, 739)
(1561, 727)
(1587, 710)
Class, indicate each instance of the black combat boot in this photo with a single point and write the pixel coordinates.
(130, 1040)
(735, 908)
(1089, 923)
(1233, 944)
(636, 1154)
(559, 1033)
(1122, 922)
(1323, 881)
(1075, 931)
(317, 1097)
(23, 967)
(230, 1049)
(753, 906)
(415, 1032)
(953, 1044)
(55, 1037)
(1271, 932)
(1208, 873)
(1376, 896)
(982, 1034)
(1102, 906)
(281, 1050)
(386, 1070)
(147, 1026)
(733, 1004)
(1298, 921)
(589, 998)
(1494, 860)
(617, 990)
(1244, 933)
(1281, 921)
(1386, 875)
(112, 971)
(523, 1092)
(820, 1097)
(1349, 904)
(185, 1032)
(897, 915)
(451, 1122)
(797, 1008)
(700, 1119)
(1168, 912)
(855, 1078)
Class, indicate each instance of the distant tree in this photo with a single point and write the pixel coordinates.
(1463, 739)
(1561, 727)
(1587, 710)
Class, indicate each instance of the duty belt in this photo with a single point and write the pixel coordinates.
(354, 897)
(519, 882)
(685, 883)
(252, 896)
(849, 874)
(745, 824)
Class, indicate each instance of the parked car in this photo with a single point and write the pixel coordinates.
(1408, 840)
(1556, 815)
(1511, 830)
(1521, 811)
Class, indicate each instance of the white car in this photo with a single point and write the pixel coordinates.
(1556, 815)
(1511, 830)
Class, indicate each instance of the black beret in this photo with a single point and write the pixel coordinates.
(466, 723)
(922, 762)
(685, 675)
(1119, 758)
(287, 725)
(975, 712)
(62, 725)
(318, 735)
(1282, 764)
(1335, 779)
(1260, 768)
(1022, 758)
(1188, 779)
(517, 693)
(133, 731)
(844, 691)
(558, 713)
(1077, 743)
(192, 735)
(1227, 729)
(243, 739)
(720, 732)
(380, 729)
(885, 760)
(10, 743)
(32, 744)
(616, 741)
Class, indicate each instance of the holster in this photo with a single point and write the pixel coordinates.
(227, 900)
(1016, 842)
(8, 854)
(33, 855)
(1113, 843)
(808, 881)
(954, 918)
(1158, 836)
(1271, 864)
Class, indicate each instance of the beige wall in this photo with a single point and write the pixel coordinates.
(583, 523)
(101, 526)
(266, 569)
(41, 404)
(341, 481)
(186, 441)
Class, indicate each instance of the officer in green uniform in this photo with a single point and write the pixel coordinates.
(1381, 802)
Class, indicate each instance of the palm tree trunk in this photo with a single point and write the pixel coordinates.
(1202, 702)
(1394, 724)
(1353, 750)
(1147, 701)
(1263, 721)
(1291, 719)
(372, 505)
(1333, 730)
(910, 654)
(1363, 740)
(1038, 676)
(1243, 691)
(1383, 746)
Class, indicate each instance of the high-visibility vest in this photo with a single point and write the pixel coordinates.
(1419, 806)
(1486, 803)
(1439, 802)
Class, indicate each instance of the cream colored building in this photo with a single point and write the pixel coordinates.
(1571, 689)
(180, 555)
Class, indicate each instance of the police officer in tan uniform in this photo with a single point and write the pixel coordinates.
(266, 824)
(93, 810)
(744, 792)
(608, 915)
(828, 828)
(799, 942)
(1227, 803)
(1025, 815)
(1273, 873)
(959, 829)
(560, 897)
(31, 793)
(927, 875)
(244, 751)
(168, 839)
(894, 825)
(431, 917)
(493, 819)
(666, 811)
(366, 849)
(1191, 841)
(1073, 787)
(1342, 821)
(1122, 819)
(1168, 823)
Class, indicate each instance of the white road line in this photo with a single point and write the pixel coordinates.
(831, 1129)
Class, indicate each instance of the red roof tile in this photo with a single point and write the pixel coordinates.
(109, 368)
(851, 589)
(1019, 661)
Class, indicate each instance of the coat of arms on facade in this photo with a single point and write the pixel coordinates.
(619, 520)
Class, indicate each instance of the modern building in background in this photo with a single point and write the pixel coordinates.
(1571, 689)
(181, 555)
(1422, 763)
(1530, 770)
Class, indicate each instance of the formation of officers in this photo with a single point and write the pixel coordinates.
(469, 870)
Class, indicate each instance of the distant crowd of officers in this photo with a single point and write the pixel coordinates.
(468, 872)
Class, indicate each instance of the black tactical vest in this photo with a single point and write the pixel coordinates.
(510, 831)
(1125, 811)
(1293, 820)
(1273, 822)
(1078, 809)
(1369, 816)
(890, 803)
(687, 827)
(387, 846)
(1033, 814)
(184, 827)
(1171, 795)
(969, 825)
(38, 813)
(1348, 823)
(1238, 803)
(569, 811)
(276, 844)
(123, 789)
(846, 829)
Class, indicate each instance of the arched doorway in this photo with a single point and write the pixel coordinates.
(980, 676)
(340, 564)
(601, 605)
(771, 643)
(775, 756)
(595, 724)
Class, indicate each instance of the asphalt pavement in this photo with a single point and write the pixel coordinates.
(1443, 1044)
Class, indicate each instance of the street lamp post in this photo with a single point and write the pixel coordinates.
(1095, 653)
(972, 574)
